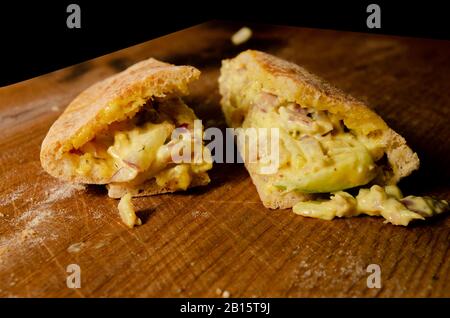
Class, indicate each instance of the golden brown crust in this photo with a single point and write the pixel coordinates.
(401, 158)
(89, 113)
(296, 84)
(254, 70)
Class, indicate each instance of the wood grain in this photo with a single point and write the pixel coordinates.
(220, 237)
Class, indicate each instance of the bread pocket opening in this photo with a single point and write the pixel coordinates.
(139, 147)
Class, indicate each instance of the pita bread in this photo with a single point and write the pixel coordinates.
(253, 72)
(114, 99)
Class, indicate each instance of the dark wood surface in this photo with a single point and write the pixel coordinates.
(220, 238)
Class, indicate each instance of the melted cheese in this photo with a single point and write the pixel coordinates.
(131, 153)
(127, 213)
(376, 201)
(134, 151)
(117, 111)
(317, 155)
(176, 178)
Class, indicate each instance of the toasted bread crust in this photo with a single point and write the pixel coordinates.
(295, 84)
(87, 112)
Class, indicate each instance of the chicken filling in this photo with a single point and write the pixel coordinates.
(139, 149)
(387, 202)
(318, 154)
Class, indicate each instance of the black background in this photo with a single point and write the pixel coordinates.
(170, 307)
(35, 39)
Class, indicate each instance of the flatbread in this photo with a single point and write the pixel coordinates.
(113, 99)
(254, 71)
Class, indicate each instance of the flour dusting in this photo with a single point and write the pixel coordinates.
(41, 216)
(60, 192)
(12, 196)
(29, 227)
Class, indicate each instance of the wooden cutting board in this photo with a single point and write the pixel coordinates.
(219, 240)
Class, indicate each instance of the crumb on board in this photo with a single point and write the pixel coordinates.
(241, 36)
(75, 248)
(226, 294)
(223, 293)
(100, 245)
(127, 213)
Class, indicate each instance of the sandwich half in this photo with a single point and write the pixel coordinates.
(328, 140)
(119, 132)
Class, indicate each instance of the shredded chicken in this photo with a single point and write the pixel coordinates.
(127, 213)
(387, 202)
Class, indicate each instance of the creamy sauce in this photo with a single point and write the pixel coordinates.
(317, 154)
(131, 153)
(387, 202)
(127, 213)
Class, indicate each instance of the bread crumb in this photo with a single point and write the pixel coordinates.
(226, 294)
(241, 36)
(219, 291)
(75, 248)
(99, 245)
(55, 108)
